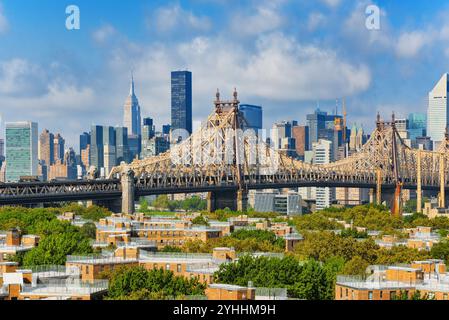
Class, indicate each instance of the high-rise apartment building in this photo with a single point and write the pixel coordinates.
(110, 156)
(132, 118)
(181, 100)
(21, 150)
(46, 147)
(301, 136)
(253, 116)
(323, 155)
(281, 138)
(438, 111)
(59, 145)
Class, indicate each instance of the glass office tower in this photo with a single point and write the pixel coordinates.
(21, 141)
(181, 100)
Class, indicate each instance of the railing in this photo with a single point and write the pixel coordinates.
(67, 287)
(137, 242)
(272, 292)
(175, 255)
(48, 268)
(15, 248)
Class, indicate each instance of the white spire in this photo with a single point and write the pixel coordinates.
(131, 90)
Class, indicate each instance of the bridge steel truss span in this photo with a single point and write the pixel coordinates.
(204, 161)
(42, 192)
(221, 157)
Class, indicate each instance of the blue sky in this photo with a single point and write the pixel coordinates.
(286, 55)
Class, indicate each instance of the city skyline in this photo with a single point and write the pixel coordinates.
(59, 82)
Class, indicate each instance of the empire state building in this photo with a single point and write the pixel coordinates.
(132, 119)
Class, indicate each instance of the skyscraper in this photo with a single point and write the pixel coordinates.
(121, 145)
(181, 100)
(21, 150)
(96, 147)
(438, 111)
(315, 122)
(58, 143)
(46, 147)
(253, 116)
(84, 141)
(2, 148)
(417, 124)
(110, 156)
(132, 119)
(301, 136)
(323, 155)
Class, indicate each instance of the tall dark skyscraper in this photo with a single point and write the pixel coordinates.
(181, 100)
(96, 147)
(122, 147)
(84, 141)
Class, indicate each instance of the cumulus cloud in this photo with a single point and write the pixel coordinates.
(174, 17)
(19, 77)
(4, 25)
(265, 18)
(410, 43)
(279, 68)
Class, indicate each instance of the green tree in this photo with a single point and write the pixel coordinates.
(89, 230)
(139, 283)
(312, 283)
(54, 249)
(161, 202)
(200, 220)
(441, 250)
(95, 213)
(355, 266)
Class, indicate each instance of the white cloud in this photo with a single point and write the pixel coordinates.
(19, 77)
(4, 25)
(279, 69)
(410, 43)
(332, 3)
(102, 34)
(263, 18)
(174, 17)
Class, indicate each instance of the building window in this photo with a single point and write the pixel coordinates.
(370, 295)
(381, 294)
(167, 266)
(178, 268)
(431, 295)
(445, 296)
(392, 295)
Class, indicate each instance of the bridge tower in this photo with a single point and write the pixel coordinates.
(128, 189)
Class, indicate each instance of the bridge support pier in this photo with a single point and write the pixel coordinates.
(234, 200)
(127, 181)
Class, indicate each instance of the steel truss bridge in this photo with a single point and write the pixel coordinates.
(220, 158)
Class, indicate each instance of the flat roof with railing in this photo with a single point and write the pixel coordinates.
(66, 288)
(175, 257)
(99, 259)
(13, 249)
